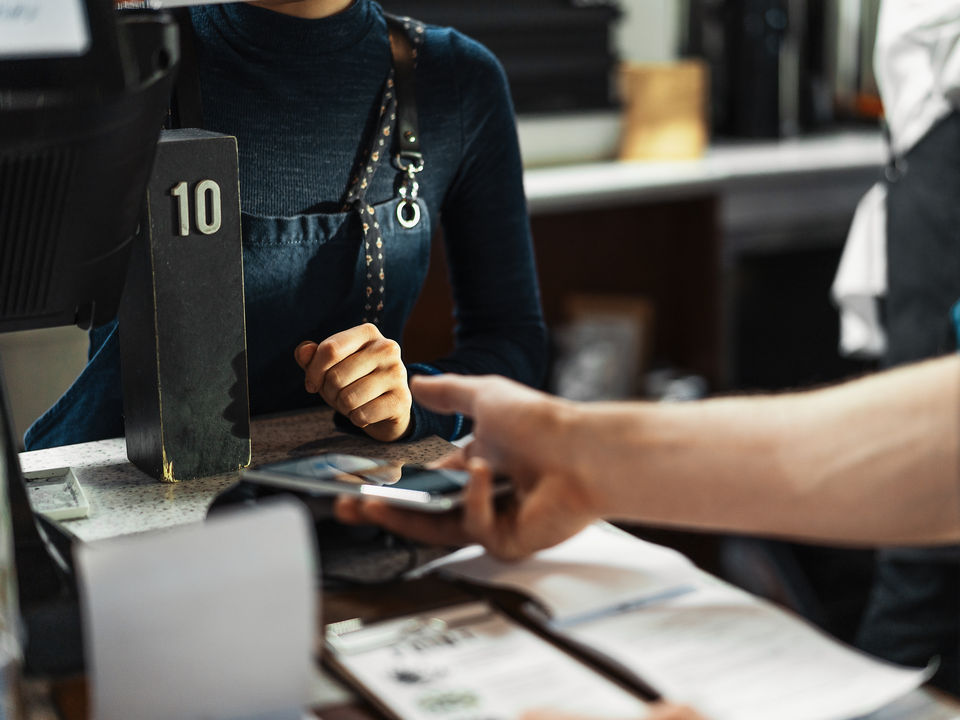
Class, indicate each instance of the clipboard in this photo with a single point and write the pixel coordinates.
(466, 661)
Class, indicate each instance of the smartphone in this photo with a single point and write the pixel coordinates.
(412, 486)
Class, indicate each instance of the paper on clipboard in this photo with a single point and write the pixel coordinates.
(470, 661)
(599, 569)
(726, 653)
(734, 657)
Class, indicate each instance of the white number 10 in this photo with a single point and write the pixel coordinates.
(206, 195)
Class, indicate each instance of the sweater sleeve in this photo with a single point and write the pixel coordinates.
(499, 321)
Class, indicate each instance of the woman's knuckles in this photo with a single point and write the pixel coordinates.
(359, 417)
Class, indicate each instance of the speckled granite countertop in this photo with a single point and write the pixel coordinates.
(125, 500)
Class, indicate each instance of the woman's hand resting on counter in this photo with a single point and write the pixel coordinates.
(359, 373)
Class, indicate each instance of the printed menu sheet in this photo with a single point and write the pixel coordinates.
(469, 662)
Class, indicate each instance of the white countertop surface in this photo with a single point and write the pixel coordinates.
(123, 499)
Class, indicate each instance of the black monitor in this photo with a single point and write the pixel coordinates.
(78, 132)
(75, 155)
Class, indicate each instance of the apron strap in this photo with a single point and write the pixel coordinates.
(398, 114)
(404, 63)
(397, 129)
(405, 37)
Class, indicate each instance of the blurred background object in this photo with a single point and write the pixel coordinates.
(775, 68)
(665, 111)
(782, 67)
(603, 348)
(557, 54)
(670, 385)
(33, 385)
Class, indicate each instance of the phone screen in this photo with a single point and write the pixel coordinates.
(354, 470)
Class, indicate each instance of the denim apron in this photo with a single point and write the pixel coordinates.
(305, 278)
(914, 608)
(308, 277)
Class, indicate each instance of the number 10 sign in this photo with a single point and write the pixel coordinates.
(182, 334)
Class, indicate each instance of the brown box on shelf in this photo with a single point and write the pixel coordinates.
(665, 111)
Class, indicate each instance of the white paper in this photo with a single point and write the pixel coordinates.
(861, 278)
(214, 620)
(48, 28)
(734, 657)
(599, 569)
(466, 662)
(726, 653)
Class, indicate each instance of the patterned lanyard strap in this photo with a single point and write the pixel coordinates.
(406, 37)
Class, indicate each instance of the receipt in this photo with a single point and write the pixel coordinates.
(214, 620)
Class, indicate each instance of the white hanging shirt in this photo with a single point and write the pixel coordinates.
(917, 65)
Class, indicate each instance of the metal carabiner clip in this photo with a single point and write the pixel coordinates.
(408, 213)
(408, 209)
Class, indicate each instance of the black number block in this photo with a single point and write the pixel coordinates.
(182, 334)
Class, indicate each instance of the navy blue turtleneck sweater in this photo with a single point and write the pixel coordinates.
(299, 95)
(302, 98)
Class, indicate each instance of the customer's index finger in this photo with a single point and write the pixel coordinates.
(447, 393)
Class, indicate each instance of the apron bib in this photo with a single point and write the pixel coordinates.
(923, 246)
(308, 277)
(305, 278)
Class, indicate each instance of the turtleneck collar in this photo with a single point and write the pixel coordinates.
(274, 31)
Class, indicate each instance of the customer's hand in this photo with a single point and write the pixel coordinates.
(360, 374)
(519, 432)
(660, 711)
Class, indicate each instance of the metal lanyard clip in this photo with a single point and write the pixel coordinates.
(408, 209)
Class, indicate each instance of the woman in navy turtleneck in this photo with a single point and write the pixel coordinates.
(305, 87)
